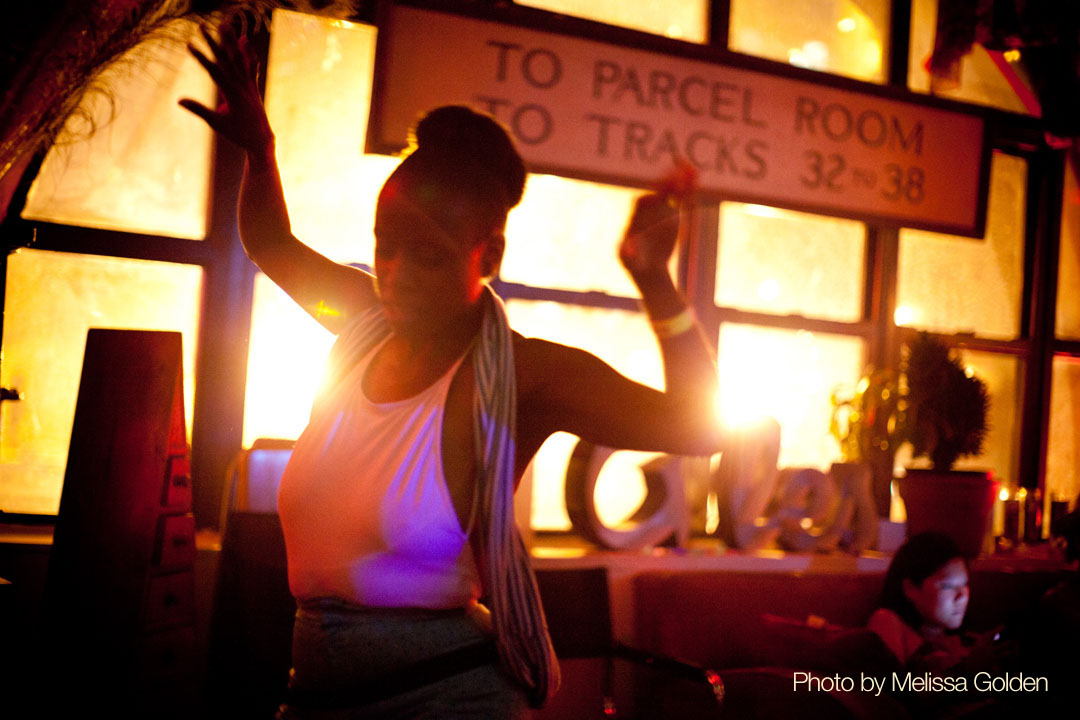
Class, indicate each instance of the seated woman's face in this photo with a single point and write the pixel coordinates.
(425, 276)
(942, 598)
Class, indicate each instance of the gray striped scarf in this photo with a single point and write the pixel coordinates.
(521, 632)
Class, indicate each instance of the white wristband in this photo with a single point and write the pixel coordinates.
(675, 325)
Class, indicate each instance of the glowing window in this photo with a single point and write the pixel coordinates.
(954, 284)
(626, 342)
(286, 355)
(566, 233)
(683, 19)
(1063, 444)
(318, 92)
(787, 375)
(983, 78)
(51, 300)
(784, 262)
(143, 163)
(843, 37)
(1067, 322)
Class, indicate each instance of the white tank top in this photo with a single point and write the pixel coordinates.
(364, 504)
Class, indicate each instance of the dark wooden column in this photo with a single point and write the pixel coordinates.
(1045, 184)
(218, 422)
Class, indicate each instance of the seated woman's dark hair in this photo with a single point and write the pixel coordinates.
(917, 559)
(464, 170)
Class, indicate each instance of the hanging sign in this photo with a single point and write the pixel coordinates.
(590, 109)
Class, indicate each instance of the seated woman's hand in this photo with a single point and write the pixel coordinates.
(240, 115)
(992, 651)
(653, 229)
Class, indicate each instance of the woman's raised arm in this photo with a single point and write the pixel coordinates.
(328, 291)
(581, 394)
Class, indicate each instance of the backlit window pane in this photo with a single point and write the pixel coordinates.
(318, 92)
(146, 164)
(1067, 322)
(843, 37)
(1063, 445)
(51, 300)
(787, 375)
(981, 77)
(566, 233)
(626, 342)
(785, 262)
(954, 284)
(683, 19)
(286, 355)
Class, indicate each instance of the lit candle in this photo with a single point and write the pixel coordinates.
(1011, 525)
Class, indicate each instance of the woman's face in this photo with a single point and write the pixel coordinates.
(425, 276)
(942, 598)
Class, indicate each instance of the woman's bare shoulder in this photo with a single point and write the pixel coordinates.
(538, 361)
(531, 356)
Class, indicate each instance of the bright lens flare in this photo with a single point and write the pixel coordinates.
(904, 315)
(761, 384)
(769, 290)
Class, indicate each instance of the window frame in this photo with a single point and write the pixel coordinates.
(229, 277)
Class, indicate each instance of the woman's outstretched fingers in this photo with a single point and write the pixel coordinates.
(240, 116)
(249, 63)
(193, 106)
(209, 65)
(228, 56)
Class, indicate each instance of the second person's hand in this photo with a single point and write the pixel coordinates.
(653, 230)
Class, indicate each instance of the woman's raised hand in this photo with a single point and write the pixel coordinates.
(653, 229)
(240, 115)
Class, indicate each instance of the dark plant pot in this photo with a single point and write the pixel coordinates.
(881, 471)
(955, 502)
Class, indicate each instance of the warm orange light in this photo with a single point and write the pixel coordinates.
(712, 514)
(843, 36)
(674, 31)
(286, 354)
(324, 310)
(904, 315)
(769, 290)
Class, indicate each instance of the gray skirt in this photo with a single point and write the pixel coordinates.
(408, 663)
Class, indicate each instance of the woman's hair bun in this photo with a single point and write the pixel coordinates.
(476, 146)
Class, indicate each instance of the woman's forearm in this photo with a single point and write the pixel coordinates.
(263, 216)
(689, 362)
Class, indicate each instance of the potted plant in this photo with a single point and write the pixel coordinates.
(944, 418)
(867, 425)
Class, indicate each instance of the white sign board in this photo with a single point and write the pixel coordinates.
(590, 109)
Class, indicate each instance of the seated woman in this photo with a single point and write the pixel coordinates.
(397, 503)
(924, 602)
